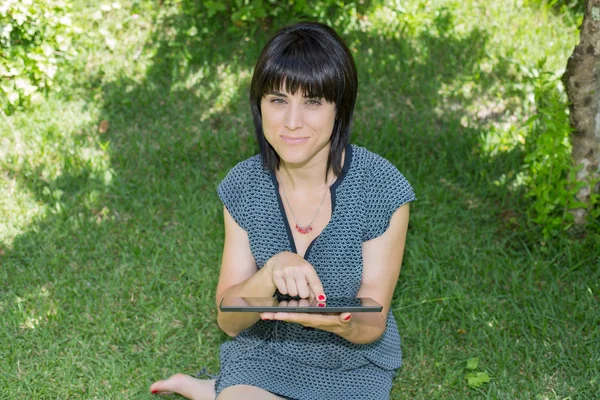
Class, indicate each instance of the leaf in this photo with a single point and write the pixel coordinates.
(472, 363)
(476, 379)
(110, 42)
(12, 97)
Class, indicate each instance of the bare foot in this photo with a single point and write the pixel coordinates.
(186, 386)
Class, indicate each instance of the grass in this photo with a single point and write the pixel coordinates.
(110, 239)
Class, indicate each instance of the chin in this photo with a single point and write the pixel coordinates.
(293, 158)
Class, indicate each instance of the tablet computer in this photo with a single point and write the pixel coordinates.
(272, 304)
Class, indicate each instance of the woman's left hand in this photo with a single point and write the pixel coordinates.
(337, 323)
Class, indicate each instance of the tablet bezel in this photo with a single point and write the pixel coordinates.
(373, 306)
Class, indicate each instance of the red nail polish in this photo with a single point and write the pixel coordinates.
(320, 304)
(348, 317)
(154, 391)
(321, 297)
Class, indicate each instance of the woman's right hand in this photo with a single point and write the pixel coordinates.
(294, 276)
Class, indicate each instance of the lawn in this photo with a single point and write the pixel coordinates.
(111, 229)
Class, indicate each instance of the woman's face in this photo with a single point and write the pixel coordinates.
(299, 128)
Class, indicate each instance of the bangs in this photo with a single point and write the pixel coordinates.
(302, 66)
(309, 57)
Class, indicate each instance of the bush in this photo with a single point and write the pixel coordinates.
(550, 176)
(35, 37)
(251, 12)
(245, 16)
(576, 7)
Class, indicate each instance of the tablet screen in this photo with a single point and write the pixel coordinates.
(272, 304)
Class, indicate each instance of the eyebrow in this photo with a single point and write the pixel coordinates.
(279, 94)
(275, 93)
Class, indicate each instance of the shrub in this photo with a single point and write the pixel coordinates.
(248, 15)
(35, 37)
(244, 12)
(549, 171)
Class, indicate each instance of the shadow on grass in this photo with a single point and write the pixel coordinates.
(132, 274)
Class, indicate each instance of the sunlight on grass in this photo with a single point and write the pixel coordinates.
(114, 44)
(385, 19)
(514, 36)
(36, 307)
(192, 80)
(18, 209)
(111, 231)
(517, 35)
(59, 146)
(229, 81)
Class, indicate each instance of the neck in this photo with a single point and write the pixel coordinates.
(307, 177)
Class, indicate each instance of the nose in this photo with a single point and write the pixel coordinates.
(293, 117)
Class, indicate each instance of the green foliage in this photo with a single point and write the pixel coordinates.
(576, 7)
(35, 37)
(475, 378)
(245, 13)
(111, 235)
(472, 363)
(248, 15)
(549, 172)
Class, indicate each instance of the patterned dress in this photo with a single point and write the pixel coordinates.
(286, 358)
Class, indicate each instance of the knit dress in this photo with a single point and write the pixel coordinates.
(286, 358)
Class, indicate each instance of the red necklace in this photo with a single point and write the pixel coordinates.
(307, 228)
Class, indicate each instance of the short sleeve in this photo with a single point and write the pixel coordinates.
(232, 192)
(387, 190)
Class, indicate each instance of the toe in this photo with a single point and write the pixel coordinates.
(161, 387)
(174, 384)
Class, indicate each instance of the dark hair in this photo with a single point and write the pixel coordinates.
(312, 57)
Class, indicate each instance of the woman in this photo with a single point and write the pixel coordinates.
(310, 216)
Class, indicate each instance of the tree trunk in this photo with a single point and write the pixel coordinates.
(582, 83)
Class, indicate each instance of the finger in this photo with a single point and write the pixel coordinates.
(315, 284)
(280, 282)
(292, 289)
(345, 317)
(299, 318)
(303, 303)
(265, 316)
(312, 294)
(293, 303)
(283, 303)
(319, 321)
(282, 316)
(302, 285)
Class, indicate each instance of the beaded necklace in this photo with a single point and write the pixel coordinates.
(306, 228)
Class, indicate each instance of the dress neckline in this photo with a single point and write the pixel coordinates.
(332, 189)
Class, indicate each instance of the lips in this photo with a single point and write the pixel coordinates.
(293, 140)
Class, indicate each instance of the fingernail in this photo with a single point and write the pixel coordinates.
(348, 317)
(320, 304)
(321, 297)
(154, 391)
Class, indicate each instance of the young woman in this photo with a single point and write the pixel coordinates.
(310, 216)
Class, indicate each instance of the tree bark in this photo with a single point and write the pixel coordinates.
(582, 83)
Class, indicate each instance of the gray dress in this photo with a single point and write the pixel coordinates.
(286, 358)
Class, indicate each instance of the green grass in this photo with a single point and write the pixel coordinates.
(110, 242)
